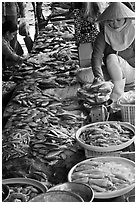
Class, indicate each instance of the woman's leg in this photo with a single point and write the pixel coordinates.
(118, 68)
(113, 67)
(116, 73)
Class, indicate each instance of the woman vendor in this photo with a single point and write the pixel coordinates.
(9, 56)
(115, 46)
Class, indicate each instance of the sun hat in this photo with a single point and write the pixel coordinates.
(116, 10)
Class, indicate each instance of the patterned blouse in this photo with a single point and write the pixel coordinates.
(85, 31)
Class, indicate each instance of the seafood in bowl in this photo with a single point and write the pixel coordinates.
(107, 176)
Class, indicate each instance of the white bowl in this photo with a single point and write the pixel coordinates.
(111, 194)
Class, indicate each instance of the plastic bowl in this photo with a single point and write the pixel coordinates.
(119, 160)
(57, 196)
(110, 148)
(83, 190)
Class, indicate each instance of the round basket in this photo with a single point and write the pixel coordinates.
(110, 148)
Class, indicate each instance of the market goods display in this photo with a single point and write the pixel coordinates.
(108, 176)
(106, 136)
(39, 128)
(39, 137)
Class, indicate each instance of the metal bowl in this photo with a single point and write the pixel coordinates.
(5, 192)
(57, 196)
(83, 190)
(27, 181)
(21, 182)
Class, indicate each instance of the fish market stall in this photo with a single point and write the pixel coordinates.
(46, 109)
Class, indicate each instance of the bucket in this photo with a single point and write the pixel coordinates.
(29, 43)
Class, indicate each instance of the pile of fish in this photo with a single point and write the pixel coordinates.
(42, 119)
(43, 113)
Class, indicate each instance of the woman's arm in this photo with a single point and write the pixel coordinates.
(97, 56)
(9, 53)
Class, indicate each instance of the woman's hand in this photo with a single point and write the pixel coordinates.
(97, 81)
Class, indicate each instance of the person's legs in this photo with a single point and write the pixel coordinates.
(121, 73)
(39, 12)
(113, 67)
(119, 68)
(117, 77)
(42, 22)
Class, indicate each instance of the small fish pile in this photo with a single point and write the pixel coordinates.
(7, 86)
(15, 144)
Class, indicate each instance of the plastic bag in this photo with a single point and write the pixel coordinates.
(23, 27)
(128, 98)
(85, 75)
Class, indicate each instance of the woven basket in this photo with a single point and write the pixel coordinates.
(89, 154)
(127, 106)
(128, 113)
